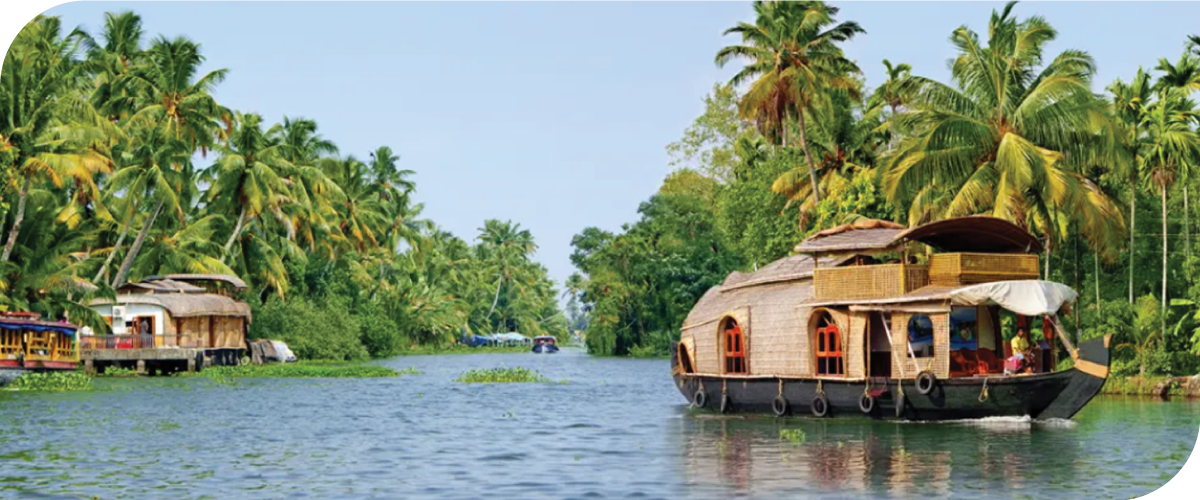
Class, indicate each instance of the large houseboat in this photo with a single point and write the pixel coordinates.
(29, 343)
(877, 319)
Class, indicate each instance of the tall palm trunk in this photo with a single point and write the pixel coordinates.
(812, 168)
(237, 229)
(1187, 240)
(16, 228)
(1097, 260)
(497, 298)
(137, 246)
(116, 248)
(1164, 254)
(1132, 237)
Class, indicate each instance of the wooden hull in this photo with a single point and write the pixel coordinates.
(1052, 395)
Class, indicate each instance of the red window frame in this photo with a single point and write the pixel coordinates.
(735, 350)
(830, 358)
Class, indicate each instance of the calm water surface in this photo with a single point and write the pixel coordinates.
(616, 428)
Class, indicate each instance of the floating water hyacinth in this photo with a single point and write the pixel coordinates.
(57, 381)
(501, 375)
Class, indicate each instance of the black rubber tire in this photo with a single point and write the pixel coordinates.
(820, 406)
(700, 399)
(866, 403)
(926, 381)
(780, 406)
(726, 404)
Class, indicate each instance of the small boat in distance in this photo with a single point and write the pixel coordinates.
(546, 344)
(855, 325)
(27, 343)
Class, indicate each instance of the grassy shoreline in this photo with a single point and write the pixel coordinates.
(1151, 386)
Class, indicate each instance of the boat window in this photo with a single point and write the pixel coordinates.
(829, 347)
(920, 336)
(735, 353)
(964, 341)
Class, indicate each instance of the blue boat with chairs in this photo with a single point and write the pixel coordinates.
(28, 343)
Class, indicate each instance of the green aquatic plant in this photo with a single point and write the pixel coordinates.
(501, 375)
(794, 436)
(410, 371)
(116, 372)
(52, 381)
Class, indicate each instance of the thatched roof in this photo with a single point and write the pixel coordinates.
(974, 234)
(232, 280)
(867, 234)
(182, 305)
(790, 268)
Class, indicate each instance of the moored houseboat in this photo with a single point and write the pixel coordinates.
(28, 343)
(170, 323)
(857, 324)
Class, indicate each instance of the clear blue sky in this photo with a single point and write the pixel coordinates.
(556, 115)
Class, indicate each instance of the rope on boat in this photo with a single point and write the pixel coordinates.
(780, 387)
(722, 387)
(983, 395)
(820, 387)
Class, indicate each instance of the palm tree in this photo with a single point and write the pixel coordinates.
(168, 97)
(794, 61)
(890, 93)
(1004, 141)
(250, 176)
(112, 61)
(46, 132)
(1129, 103)
(150, 161)
(1184, 76)
(1171, 146)
(505, 245)
(302, 145)
(846, 145)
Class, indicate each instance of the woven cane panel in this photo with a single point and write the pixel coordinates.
(778, 336)
(859, 282)
(956, 269)
(707, 358)
(855, 364)
(904, 365)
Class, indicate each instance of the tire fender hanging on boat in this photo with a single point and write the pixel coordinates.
(926, 381)
(700, 399)
(780, 404)
(820, 404)
(866, 403)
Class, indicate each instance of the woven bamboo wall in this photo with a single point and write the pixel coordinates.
(704, 337)
(956, 269)
(939, 364)
(854, 345)
(778, 340)
(868, 282)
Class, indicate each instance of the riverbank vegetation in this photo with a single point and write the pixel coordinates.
(51, 382)
(117, 162)
(797, 142)
(501, 375)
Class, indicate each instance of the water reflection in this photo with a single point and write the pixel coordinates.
(764, 456)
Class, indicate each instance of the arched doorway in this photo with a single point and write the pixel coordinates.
(827, 340)
(734, 343)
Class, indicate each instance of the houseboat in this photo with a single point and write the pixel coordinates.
(170, 323)
(28, 343)
(890, 322)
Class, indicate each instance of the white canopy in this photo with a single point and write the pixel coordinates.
(1027, 297)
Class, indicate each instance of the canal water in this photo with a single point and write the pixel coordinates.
(605, 428)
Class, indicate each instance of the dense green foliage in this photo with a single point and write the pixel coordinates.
(51, 381)
(500, 375)
(1101, 175)
(116, 163)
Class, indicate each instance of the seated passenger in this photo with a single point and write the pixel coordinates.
(1022, 354)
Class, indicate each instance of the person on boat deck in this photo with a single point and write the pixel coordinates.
(1022, 354)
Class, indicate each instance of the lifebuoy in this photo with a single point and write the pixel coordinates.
(780, 405)
(820, 406)
(925, 382)
(866, 403)
(700, 399)
(726, 404)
